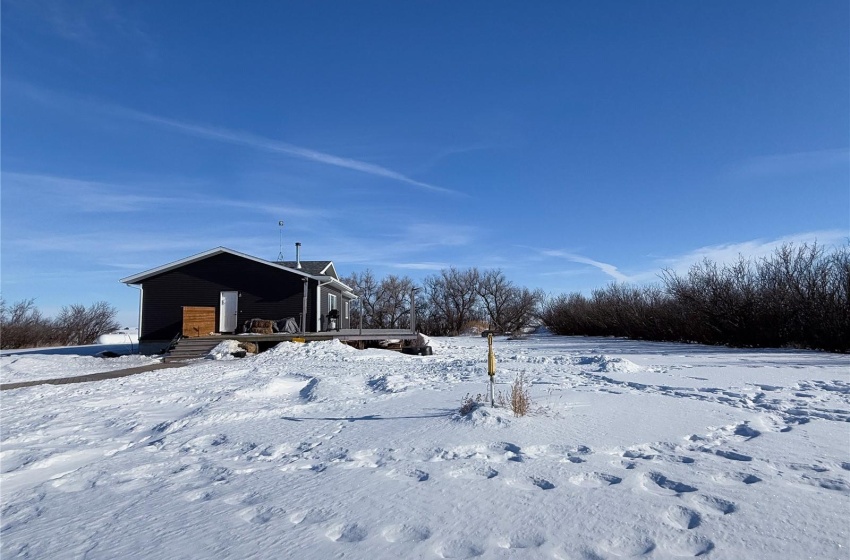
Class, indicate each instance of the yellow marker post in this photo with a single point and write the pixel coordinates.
(491, 368)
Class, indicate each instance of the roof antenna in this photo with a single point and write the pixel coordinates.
(280, 254)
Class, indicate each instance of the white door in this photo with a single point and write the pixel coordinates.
(228, 312)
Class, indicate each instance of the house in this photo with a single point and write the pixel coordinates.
(218, 290)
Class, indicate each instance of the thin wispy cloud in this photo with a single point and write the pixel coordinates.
(95, 25)
(234, 137)
(448, 152)
(403, 246)
(83, 243)
(721, 254)
(86, 196)
(418, 266)
(274, 146)
(794, 163)
(729, 253)
(607, 268)
(100, 196)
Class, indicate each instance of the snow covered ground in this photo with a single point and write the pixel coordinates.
(320, 451)
(69, 361)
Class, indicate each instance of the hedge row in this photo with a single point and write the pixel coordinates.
(797, 297)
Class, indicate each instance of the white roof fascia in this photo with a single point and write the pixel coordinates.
(330, 265)
(137, 278)
(347, 291)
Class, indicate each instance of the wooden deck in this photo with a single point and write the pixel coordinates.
(342, 334)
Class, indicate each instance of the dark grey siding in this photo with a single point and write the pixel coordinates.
(346, 318)
(325, 307)
(344, 322)
(265, 293)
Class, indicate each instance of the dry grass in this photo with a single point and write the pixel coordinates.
(520, 402)
(470, 403)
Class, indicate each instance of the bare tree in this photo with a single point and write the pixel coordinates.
(509, 308)
(77, 324)
(23, 326)
(366, 288)
(452, 297)
(392, 306)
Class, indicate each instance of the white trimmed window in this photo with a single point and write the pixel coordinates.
(331, 302)
(347, 308)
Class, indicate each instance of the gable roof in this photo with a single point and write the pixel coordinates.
(325, 271)
(314, 268)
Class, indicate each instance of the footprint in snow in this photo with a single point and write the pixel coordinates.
(689, 545)
(416, 474)
(732, 455)
(458, 548)
(837, 484)
(531, 483)
(746, 478)
(521, 540)
(259, 515)
(658, 483)
(199, 495)
(745, 431)
(478, 471)
(406, 533)
(310, 516)
(541, 483)
(247, 499)
(347, 532)
(713, 504)
(628, 546)
(628, 465)
(581, 554)
(803, 467)
(595, 480)
(638, 454)
(682, 517)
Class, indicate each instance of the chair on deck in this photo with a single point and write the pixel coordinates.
(333, 320)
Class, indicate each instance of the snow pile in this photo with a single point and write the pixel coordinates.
(292, 387)
(609, 364)
(318, 451)
(123, 337)
(423, 340)
(483, 416)
(327, 350)
(224, 350)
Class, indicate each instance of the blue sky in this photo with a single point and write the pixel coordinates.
(570, 144)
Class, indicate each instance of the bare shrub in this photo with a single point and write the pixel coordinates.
(77, 324)
(797, 297)
(520, 401)
(23, 326)
(470, 403)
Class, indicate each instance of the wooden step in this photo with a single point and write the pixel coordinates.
(190, 349)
